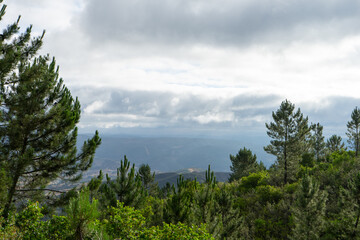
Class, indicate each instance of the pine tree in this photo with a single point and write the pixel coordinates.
(145, 175)
(318, 141)
(204, 206)
(334, 143)
(178, 205)
(341, 223)
(126, 188)
(353, 130)
(290, 133)
(95, 184)
(38, 120)
(345, 217)
(81, 211)
(243, 164)
(309, 210)
(354, 185)
(231, 219)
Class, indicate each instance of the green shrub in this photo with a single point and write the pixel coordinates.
(82, 214)
(29, 222)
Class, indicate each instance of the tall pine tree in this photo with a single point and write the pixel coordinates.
(290, 133)
(38, 118)
(318, 142)
(353, 130)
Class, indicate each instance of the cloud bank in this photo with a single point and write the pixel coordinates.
(117, 108)
(228, 22)
(202, 64)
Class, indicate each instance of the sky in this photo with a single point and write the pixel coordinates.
(201, 66)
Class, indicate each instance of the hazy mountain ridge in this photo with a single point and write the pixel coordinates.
(168, 154)
(171, 177)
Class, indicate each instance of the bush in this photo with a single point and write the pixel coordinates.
(127, 223)
(29, 222)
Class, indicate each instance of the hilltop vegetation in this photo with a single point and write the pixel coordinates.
(312, 191)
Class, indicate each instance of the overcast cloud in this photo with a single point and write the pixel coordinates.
(166, 109)
(219, 23)
(202, 64)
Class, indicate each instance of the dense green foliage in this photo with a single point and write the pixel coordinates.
(335, 143)
(312, 191)
(353, 130)
(38, 118)
(318, 142)
(127, 187)
(243, 164)
(289, 132)
(322, 203)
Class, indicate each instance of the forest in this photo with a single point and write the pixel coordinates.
(312, 191)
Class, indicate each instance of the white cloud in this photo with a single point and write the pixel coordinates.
(93, 107)
(175, 101)
(201, 54)
(43, 14)
(214, 117)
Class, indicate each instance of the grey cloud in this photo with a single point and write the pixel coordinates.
(218, 22)
(186, 107)
(176, 111)
(169, 109)
(334, 113)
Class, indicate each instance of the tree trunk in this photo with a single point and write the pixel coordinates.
(15, 180)
(285, 158)
(357, 142)
(79, 232)
(5, 213)
(356, 223)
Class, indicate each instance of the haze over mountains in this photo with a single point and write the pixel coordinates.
(170, 154)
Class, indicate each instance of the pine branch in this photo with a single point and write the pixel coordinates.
(43, 189)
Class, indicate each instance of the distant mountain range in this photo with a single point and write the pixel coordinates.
(168, 154)
(171, 177)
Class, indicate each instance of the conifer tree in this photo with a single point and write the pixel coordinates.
(354, 190)
(38, 118)
(231, 219)
(335, 143)
(81, 211)
(318, 141)
(126, 188)
(178, 206)
(353, 130)
(341, 223)
(204, 206)
(309, 210)
(243, 164)
(94, 184)
(145, 175)
(290, 133)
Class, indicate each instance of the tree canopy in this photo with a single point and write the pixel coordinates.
(38, 118)
(289, 132)
(244, 163)
(353, 130)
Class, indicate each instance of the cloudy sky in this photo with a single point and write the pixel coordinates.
(201, 65)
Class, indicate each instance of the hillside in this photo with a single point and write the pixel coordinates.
(171, 177)
(168, 154)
